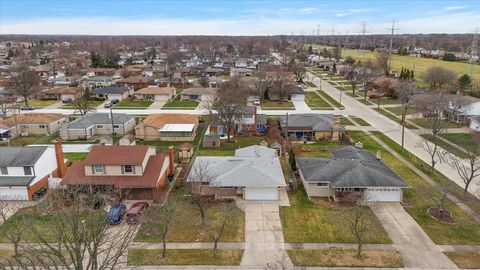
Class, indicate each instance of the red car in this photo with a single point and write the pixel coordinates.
(136, 211)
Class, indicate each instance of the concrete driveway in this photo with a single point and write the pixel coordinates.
(416, 248)
(301, 105)
(264, 243)
(157, 104)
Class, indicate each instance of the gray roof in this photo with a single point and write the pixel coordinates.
(250, 167)
(249, 110)
(261, 119)
(315, 122)
(20, 156)
(15, 181)
(98, 119)
(350, 167)
(110, 90)
(199, 91)
(211, 137)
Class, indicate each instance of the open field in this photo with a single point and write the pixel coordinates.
(184, 257)
(345, 258)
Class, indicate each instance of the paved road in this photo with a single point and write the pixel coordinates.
(416, 248)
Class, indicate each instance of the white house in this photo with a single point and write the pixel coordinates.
(475, 123)
(24, 171)
(254, 173)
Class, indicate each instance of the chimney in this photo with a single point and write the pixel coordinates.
(61, 167)
(379, 155)
(171, 160)
(264, 144)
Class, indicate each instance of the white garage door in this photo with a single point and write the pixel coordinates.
(261, 194)
(384, 194)
(14, 193)
(161, 97)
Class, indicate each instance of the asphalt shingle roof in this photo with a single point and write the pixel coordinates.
(20, 156)
(350, 167)
(98, 119)
(110, 90)
(15, 181)
(315, 122)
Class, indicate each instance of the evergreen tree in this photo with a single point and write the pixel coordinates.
(464, 82)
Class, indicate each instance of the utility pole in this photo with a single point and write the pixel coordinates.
(391, 37)
(473, 51)
(362, 40)
(332, 36)
(111, 117)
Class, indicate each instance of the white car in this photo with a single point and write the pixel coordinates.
(256, 102)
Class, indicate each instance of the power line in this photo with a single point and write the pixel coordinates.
(473, 51)
(362, 40)
(393, 29)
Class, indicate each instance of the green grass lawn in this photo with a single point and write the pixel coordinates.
(366, 102)
(176, 103)
(41, 103)
(335, 257)
(184, 257)
(228, 149)
(464, 140)
(75, 156)
(316, 149)
(306, 221)
(465, 260)
(163, 145)
(22, 140)
(330, 99)
(92, 104)
(452, 149)
(267, 104)
(314, 101)
(360, 121)
(187, 225)
(418, 199)
(178, 91)
(384, 101)
(398, 110)
(43, 223)
(393, 117)
(427, 123)
(345, 121)
(133, 104)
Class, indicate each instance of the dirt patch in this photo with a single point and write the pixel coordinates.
(465, 260)
(445, 217)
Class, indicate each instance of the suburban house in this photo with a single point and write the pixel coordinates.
(254, 173)
(156, 93)
(25, 171)
(246, 122)
(133, 172)
(241, 72)
(312, 127)
(112, 92)
(134, 82)
(98, 81)
(93, 124)
(475, 123)
(31, 123)
(167, 127)
(352, 173)
(198, 93)
(176, 82)
(185, 151)
(461, 108)
(62, 93)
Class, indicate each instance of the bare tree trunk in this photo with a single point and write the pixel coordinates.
(215, 248)
(164, 251)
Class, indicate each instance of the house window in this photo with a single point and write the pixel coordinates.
(99, 126)
(116, 126)
(27, 170)
(98, 169)
(214, 143)
(42, 126)
(322, 184)
(3, 170)
(128, 169)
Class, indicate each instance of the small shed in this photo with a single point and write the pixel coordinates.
(212, 140)
(185, 151)
(106, 140)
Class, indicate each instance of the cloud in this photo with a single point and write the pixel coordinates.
(455, 7)
(341, 14)
(307, 10)
(362, 10)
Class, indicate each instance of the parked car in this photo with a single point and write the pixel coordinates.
(135, 211)
(108, 105)
(114, 100)
(67, 100)
(116, 213)
(256, 102)
(27, 108)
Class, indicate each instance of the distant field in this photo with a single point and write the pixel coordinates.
(420, 65)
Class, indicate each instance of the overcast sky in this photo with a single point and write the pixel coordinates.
(150, 17)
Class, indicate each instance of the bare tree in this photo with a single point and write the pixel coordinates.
(26, 80)
(260, 84)
(437, 77)
(229, 104)
(366, 76)
(382, 60)
(4, 105)
(468, 169)
(359, 220)
(201, 183)
(159, 220)
(203, 81)
(404, 91)
(298, 70)
(440, 200)
(282, 86)
(216, 227)
(15, 231)
(82, 103)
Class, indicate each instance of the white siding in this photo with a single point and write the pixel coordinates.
(45, 165)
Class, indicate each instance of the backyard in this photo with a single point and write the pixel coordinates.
(41, 103)
(272, 105)
(228, 148)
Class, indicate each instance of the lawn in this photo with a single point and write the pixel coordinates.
(418, 199)
(330, 99)
(452, 149)
(133, 104)
(345, 121)
(163, 145)
(314, 101)
(384, 101)
(22, 140)
(228, 148)
(345, 258)
(427, 123)
(75, 156)
(92, 104)
(360, 121)
(465, 260)
(393, 117)
(176, 103)
(464, 140)
(187, 225)
(420, 65)
(42, 222)
(184, 257)
(306, 221)
(41, 103)
(272, 105)
(398, 110)
(316, 149)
